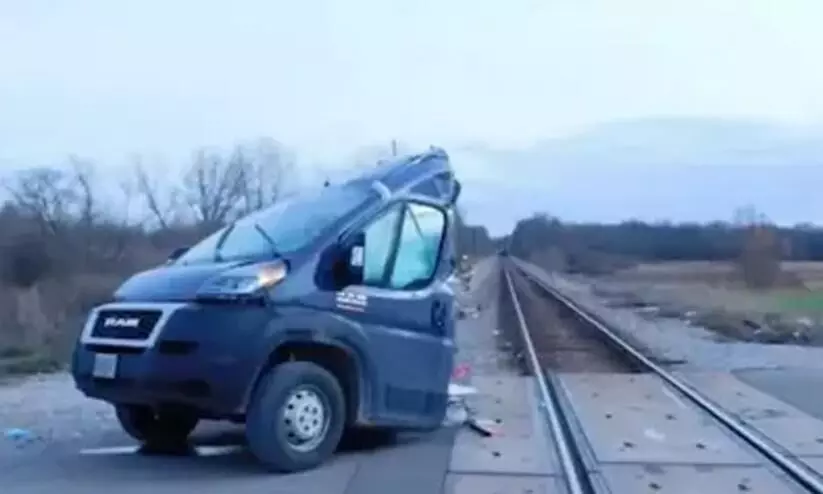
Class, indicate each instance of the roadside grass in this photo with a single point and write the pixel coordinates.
(15, 361)
(799, 301)
(782, 316)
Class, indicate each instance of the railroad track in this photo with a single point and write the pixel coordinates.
(578, 339)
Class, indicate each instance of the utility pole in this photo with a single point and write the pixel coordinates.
(394, 147)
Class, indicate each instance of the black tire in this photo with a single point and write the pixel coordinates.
(147, 426)
(270, 436)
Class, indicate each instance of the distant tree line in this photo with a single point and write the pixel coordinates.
(664, 241)
(472, 240)
(751, 241)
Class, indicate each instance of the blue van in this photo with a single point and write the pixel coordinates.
(323, 314)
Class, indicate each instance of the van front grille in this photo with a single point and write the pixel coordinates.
(122, 324)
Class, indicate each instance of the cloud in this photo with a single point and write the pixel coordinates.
(104, 79)
(655, 169)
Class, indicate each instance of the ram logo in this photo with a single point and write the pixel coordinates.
(121, 322)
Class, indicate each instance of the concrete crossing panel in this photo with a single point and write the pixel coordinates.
(636, 418)
(519, 445)
(796, 431)
(503, 484)
(694, 479)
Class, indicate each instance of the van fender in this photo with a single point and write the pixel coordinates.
(327, 329)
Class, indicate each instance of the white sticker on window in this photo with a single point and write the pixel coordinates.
(356, 256)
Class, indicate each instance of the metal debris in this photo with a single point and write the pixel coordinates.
(460, 391)
(458, 411)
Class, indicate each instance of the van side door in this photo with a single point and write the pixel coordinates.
(406, 310)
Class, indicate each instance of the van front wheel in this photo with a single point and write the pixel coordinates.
(296, 417)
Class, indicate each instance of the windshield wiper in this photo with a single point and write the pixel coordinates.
(220, 242)
(268, 239)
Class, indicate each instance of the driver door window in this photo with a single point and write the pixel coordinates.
(419, 247)
(380, 243)
(402, 247)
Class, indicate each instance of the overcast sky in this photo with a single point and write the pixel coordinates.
(107, 78)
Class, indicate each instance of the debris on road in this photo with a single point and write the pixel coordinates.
(459, 391)
(459, 412)
(20, 436)
(479, 427)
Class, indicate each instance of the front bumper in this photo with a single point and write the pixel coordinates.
(204, 357)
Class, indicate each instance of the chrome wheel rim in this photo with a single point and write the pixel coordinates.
(305, 418)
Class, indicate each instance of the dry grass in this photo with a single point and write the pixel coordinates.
(714, 273)
(709, 294)
(41, 323)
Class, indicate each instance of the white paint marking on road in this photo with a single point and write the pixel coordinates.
(218, 450)
(130, 450)
(113, 450)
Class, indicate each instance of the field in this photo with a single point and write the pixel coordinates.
(710, 294)
(39, 324)
(806, 301)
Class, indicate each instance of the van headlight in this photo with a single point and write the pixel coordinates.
(244, 281)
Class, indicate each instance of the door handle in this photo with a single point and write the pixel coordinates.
(438, 314)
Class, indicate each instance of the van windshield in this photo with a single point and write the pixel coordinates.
(285, 227)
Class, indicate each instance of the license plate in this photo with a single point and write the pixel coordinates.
(105, 365)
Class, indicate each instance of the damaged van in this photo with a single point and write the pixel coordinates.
(327, 313)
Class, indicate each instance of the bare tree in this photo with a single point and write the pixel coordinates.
(214, 187)
(267, 166)
(54, 202)
(127, 192)
(759, 261)
(47, 195)
(84, 179)
(110, 238)
(220, 188)
(161, 206)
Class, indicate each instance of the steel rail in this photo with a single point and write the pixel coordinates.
(575, 477)
(794, 469)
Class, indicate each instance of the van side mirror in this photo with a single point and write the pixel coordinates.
(177, 253)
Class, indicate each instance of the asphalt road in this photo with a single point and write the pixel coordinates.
(217, 462)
